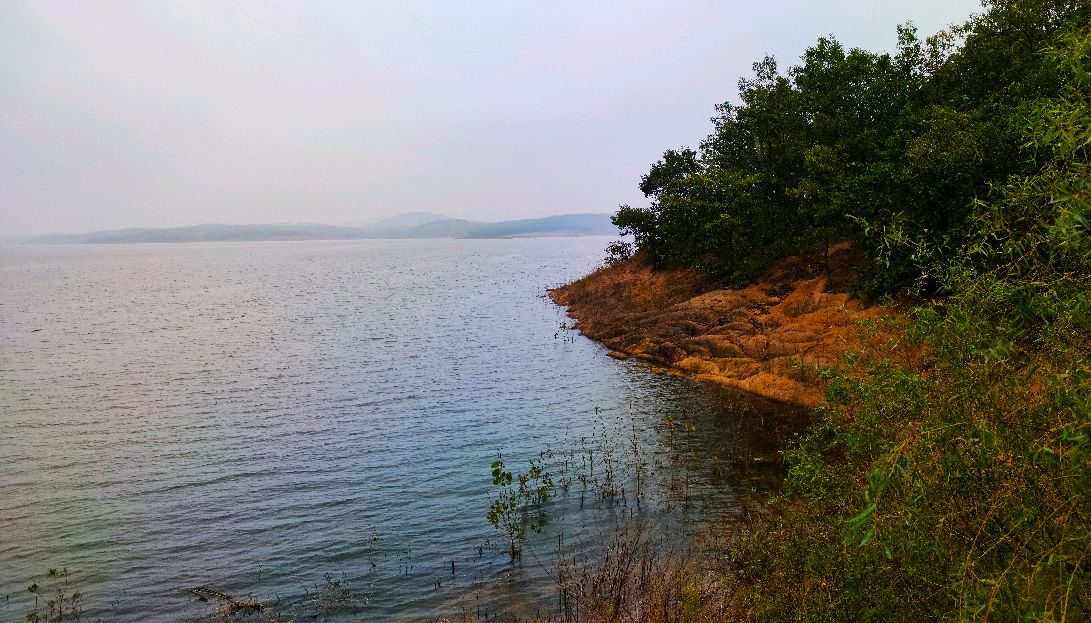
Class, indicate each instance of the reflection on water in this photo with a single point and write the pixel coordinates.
(254, 416)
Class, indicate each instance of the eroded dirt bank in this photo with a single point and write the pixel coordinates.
(766, 338)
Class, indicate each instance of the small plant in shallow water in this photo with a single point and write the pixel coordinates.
(61, 604)
(520, 503)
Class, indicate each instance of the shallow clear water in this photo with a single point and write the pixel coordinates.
(251, 416)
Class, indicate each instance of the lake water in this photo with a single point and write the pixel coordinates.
(253, 416)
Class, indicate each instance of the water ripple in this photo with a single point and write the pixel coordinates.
(176, 415)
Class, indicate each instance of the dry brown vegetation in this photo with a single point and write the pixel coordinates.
(637, 581)
(635, 584)
(768, 338)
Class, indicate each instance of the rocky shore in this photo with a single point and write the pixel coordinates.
(768, 338)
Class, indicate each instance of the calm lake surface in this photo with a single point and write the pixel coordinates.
(252, 416)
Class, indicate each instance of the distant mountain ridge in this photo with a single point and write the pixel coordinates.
(406, 220)
(409, 225)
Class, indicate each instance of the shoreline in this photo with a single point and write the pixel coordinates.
(769, 339)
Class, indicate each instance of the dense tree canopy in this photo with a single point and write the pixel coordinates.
(851, 144)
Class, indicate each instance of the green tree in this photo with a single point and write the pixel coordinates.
(669, 171)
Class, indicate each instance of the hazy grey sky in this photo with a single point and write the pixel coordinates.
(122, 114)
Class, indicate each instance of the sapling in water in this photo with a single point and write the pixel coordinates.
(520, 503)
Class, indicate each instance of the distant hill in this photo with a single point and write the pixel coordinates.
(407, 220)
(206, 233)
(562, 225)
(409, 225)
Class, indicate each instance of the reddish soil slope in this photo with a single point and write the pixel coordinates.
(766, 338)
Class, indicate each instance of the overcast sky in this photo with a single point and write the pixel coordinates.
(127, 114)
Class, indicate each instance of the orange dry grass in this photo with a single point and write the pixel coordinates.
(629, 286)
(768, 338)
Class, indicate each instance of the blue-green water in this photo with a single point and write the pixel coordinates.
(252, 416)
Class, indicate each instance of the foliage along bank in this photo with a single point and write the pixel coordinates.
(857, 144)
(960, 167)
